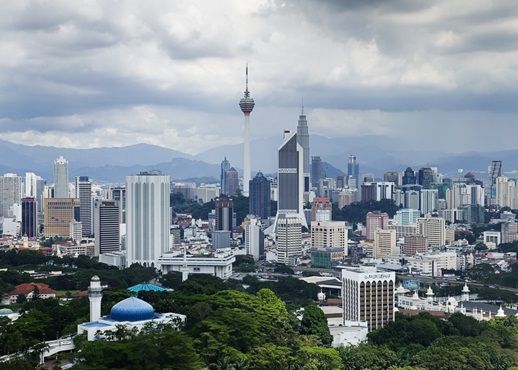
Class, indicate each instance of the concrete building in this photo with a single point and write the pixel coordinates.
(326, 257)
(217, 264)
(148, 217)
(492, 238)
(58, 213)
(414, 244)
(509, 232)
(118, 194)
(368, 296)
(329, 234)
(384, 243)
(224, 214)
(433, 229)
(405, 217)
(374, 221)
(61, 178)
(289, 239)
(254, 237)
(320, 204)
(10, 193)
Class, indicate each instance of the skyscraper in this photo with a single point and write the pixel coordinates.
(58, 214)
(29, 219)
(107, 227)
(260, 196)
(353, 170)
(494, 171)
(232, 181)
(148, 217)
(225, 166)
(317, 173)
(409, 177)
(247, 105)
(290, 178)
(303, 141)
(61, 178)
(224, 214)
(425, 177)
(84, 194)
(10, 192)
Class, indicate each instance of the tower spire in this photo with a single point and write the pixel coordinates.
(247, 105)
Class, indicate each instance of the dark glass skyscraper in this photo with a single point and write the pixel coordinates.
(29, 218)
(224, 214)
(225, 166)
(353, 169)
(409, 177)
(317, 172)
(260, 196)
(425, 177)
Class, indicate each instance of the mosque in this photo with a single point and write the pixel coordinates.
(131, 312)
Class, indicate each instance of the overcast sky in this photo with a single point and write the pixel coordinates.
(441, 73)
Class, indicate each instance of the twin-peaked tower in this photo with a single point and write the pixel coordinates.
(247, 105)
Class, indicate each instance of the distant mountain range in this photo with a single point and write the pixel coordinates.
(376, 154)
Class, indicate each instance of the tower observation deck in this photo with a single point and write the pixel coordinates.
(247, 105)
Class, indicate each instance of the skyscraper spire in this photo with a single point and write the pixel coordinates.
(303, 140)
(247, 105)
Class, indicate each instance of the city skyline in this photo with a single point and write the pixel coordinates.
(169, 74)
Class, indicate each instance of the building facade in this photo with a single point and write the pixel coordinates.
(61, 178)
(289, 239)
(84, 194)
(58, 214)
(107, 226)
(260, 196)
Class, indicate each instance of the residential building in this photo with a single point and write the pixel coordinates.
(10, 193)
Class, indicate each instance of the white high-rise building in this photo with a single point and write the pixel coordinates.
(10, 193)
(429, 199)
(405, 217)
(61, 178)
(148, 217)
(289, 239)
(254, 237)
(368, 296)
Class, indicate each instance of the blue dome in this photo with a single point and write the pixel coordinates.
(132, 309)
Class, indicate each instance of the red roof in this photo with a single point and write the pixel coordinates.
(29, 287)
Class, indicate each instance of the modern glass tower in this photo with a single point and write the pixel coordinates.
(148, 217)
(260, 196)
(84, 194)
(303, 140)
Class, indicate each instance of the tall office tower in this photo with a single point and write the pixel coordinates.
(119, 195)
(303, 141)
(225, 166)
(29, 217)
(317, 173)
(494, 171)
(368, 296)
(224, 214)
(384, 243)
(392, 176)
(429, 198)
(247, 105)
(509, 231)
(254, 237)
(290, 178)
(10, 193)
(57, 215)
(353, 170)
(61, 178)
(374, 221)
(289, 239)
(232, 181)
(409, 177)
(107, 227)
(433, 229)
(407, 216)
(321, 205)
(148, 217)
(84, 194)
(259, 201)
(414, 244)
(425, 177)
(329, 234)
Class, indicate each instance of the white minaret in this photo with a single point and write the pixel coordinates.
(185, 268)
(95, 295)
(247, 105)
(465, 293)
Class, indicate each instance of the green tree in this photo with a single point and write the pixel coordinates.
(314, 322)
